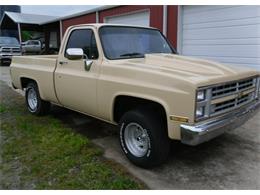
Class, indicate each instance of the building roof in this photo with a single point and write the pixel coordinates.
(45, 19)
(82, 13)
(28, 18)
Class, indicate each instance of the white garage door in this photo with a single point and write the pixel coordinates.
(140, 18)
(229, 34)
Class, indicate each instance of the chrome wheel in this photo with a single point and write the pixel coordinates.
(136, 139)
(32, 99)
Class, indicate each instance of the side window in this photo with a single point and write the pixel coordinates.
(85, 39)
(35, 43)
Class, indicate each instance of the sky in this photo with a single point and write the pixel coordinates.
(55, 10)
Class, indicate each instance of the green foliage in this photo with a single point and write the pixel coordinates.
(2, 108)
(26, 35)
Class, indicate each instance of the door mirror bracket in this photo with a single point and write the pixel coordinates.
(87, 62)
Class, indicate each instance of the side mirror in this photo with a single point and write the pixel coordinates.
(74, 53)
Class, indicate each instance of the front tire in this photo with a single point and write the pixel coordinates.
(34, 103)
(143, 138)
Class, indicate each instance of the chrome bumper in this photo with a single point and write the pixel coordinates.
(9, 55)
(199, 133)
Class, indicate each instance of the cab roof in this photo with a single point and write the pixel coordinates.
(98, 25)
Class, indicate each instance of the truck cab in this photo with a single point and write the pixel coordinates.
(32, 46)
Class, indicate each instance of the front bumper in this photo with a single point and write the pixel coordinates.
(199, 133)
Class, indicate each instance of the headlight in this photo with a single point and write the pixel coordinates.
(201, 95)
(200, 112)
(202, 102)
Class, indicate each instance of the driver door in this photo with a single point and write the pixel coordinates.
(75, 85)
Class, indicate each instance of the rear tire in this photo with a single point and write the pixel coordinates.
(143, 138)
(34, 103)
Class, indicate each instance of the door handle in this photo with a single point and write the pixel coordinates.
(62, 62)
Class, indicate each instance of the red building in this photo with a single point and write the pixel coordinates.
(224, 33)
(228, 34)
(144, 15)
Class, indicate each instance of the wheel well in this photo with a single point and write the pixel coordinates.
(26, 81)
(124, 104)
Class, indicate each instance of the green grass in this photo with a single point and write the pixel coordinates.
(44, 154)
(2, 108)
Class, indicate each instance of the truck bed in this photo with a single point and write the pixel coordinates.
(39, 68)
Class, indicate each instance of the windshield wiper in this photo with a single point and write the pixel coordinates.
(134, 54)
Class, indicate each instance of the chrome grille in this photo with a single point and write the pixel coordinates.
(224, 105)
(11, 50)
(245, 84)
(16, 50)
(231, 104)
(228, 96)
(6, 50)
(232, 87)
(243, 99)
(224, 89)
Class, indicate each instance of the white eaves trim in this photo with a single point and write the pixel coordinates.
(28, 18)
(83, 13)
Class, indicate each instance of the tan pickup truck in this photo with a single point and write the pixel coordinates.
(132, 76)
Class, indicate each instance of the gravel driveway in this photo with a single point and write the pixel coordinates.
(230, 161)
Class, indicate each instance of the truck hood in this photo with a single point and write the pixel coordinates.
(194, 70)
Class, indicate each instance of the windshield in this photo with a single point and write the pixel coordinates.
(8, 41)
(130, 42)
